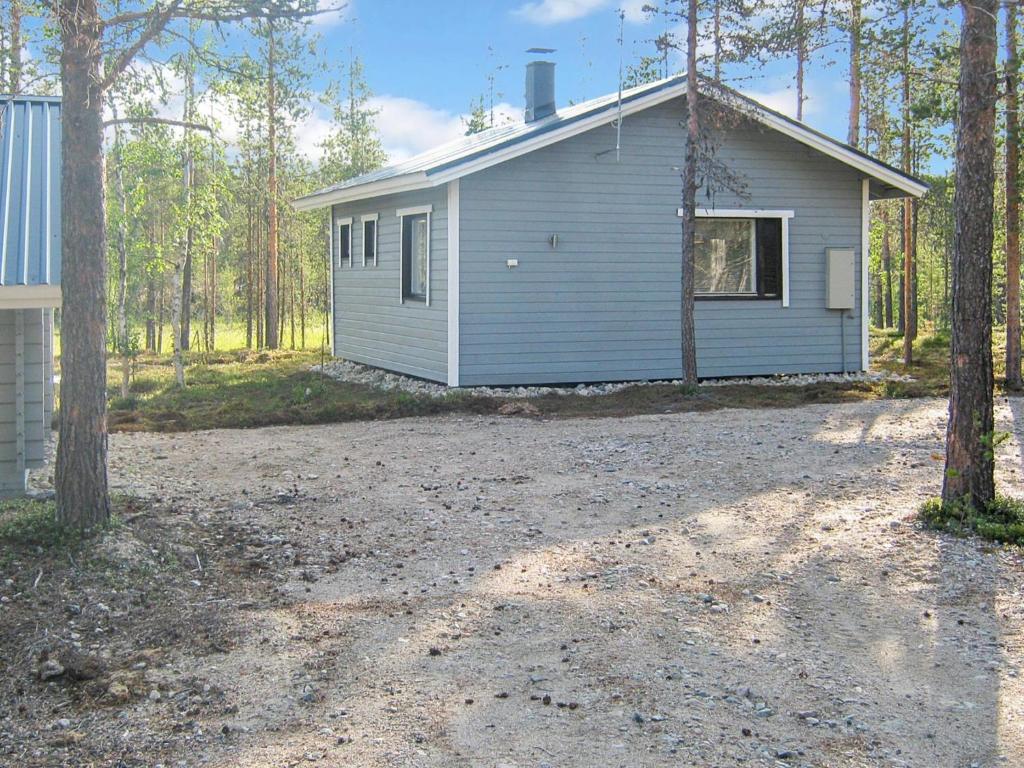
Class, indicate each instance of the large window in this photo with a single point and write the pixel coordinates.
(738, 257)
(415, 256)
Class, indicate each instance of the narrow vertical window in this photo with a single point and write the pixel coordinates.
(415, 256)
(369, 242)
(344, 243)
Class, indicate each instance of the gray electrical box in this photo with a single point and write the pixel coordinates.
(840, 292)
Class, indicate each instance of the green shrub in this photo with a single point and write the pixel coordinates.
(33, 523)
(1002, 519)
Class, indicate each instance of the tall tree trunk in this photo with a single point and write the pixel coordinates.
(122, 264)
(801, 57)
(1013, 372)
(271, 323)
(853, 131)
(689, 342)
(887, 267)
(14, 53)
(909, 283)
(717, 33)
(970, 434)
(248, 278)
(150, 311)
(878, 316)
(302, 303)
(81, 472)
(176, 303)
(213, 294)
(190, 232)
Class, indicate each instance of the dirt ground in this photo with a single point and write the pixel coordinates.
(733, 588)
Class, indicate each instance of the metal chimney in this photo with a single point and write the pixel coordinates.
(540, 90)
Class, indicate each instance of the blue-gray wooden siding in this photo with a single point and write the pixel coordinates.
(371, 324)
(605, 304)
(38, 394)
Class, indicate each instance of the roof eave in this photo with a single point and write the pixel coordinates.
(405, 183)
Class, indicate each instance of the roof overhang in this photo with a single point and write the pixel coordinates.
(888, 182)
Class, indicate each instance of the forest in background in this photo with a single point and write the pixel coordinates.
(202, 239)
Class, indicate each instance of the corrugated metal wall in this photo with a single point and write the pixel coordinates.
(30, 248)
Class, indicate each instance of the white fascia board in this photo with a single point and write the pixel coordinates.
(426, 179)
(865, 253)
(405, 183)
(841, 153)
(414, 210)
(453, 283)
(604, 117)
(29, 296)
(739, 213)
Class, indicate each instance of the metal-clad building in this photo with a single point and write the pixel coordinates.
(30, 259)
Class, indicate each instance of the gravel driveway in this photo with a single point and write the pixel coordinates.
(718, 589)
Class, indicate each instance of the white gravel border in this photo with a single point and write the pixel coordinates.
(356, 373)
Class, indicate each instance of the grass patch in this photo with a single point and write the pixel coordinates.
(27, 523)
(1002, 520)
(247, 388)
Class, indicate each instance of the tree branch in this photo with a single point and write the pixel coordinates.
(158, 19)
(156, 121)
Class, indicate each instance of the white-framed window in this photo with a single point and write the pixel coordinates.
(742, 254)
(370, 239)
(415, 246)
(343, 242)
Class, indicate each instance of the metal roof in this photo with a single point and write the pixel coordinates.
(470, 153)
(30, 206)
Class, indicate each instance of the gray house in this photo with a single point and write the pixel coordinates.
(29, 281)
(549, 251)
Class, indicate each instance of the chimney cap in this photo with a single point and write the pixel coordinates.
(541, 50)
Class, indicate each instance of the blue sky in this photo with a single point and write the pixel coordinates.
(427, 61)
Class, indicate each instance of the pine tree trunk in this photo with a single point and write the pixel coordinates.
(302, 303)
(801, 58)
(689, 342)
(853, 131)
(14, 52)
(81, 471)
(272, 320)
(1013, 340)
(150, 314)
(877, 309)
(969, 436)
(887, 268)
(122, 267)
(909, 283)
(248, 278)
(176, 334)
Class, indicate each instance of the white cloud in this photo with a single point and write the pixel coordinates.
(547, 12)
(784, 100)
(408, 127)
(634, 10)
(557, 11)
(333, 12)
